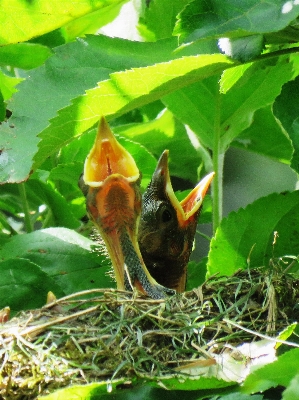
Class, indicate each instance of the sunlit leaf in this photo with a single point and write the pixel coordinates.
(280, 372)
(246, 237)
(22, 20)
(222, 18)
(93, 21)
(73, 68)
(201, 105)
(166, 132)
(159, 18)
(8, 84)
(24, 55)
(197, 389)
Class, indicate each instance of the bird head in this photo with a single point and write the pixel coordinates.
(167, 226)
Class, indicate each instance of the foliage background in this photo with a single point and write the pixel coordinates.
(199, 78)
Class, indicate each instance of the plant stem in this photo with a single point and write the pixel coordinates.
(27, 219)
(203, 235)
(218, 160)
(276, 53)
(218, 190)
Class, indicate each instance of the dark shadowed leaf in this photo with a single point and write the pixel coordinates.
(266, 137)
(64, 256)
(43, 193)
(24, 285)
(286, 110)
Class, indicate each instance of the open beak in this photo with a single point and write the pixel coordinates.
(187, 210)
(113, 200)
(168, 226)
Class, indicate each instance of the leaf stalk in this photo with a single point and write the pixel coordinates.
(26, 210)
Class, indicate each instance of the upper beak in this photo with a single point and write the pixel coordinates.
(111, 179)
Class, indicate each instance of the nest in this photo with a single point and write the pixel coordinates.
(101, 335)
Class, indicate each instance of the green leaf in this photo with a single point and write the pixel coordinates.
(217, 18)
(246, 236)
(194, 383)
(51, 39)
(84, 392)
(266, 137)
(292, 390)
(187, 390)
(122, 93)
(92, 22)
(166, 132)
(24, 55)
(159, 18)
(64, 256)
(240, 396)
(196, 274)
(9, 199)
(230, 76)
(24, 285)
(201, 105)
(21, 20)
(290, 334)
(2, 108)
(43, 193)
(143, 158)
(67, 172)
(5, 224)
(280, 372)
(76, 151)
(196, 106)
(8, 84)
(73, 68)
(285, 109)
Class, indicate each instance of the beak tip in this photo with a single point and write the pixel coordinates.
(162, 166)
(104, 131)
(205, 183)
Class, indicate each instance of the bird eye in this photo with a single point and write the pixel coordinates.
(166, 215)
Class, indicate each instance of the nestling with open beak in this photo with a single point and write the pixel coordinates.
(167, 226)
(111, 183)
